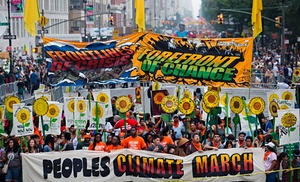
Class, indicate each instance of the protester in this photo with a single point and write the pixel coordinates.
(249, 142)
(68, 145)
(215, 144)
(116, 144)
(49, 144)
(296, 164)
(270, 159)
(195, 145)
(85, 143)
(241, 140)
(13, 159)
(32, 147)
(284, 167)
(155, 145)
(134, 141)
(97, 145)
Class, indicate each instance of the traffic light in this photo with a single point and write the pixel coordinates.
(35, 50)
(111, 20)
(220, 18)
(277, 20)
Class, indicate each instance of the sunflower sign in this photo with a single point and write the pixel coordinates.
(97, 109)
(69, 107)
(250, 121)
(81, 113)
(288, 125)
(52, 119)
(2, 113)
(22, 120)
(104, 97)
(285, 99)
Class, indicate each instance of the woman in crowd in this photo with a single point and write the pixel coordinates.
(228, 145)
(13, 159)
(32, 147)
(116, 144)
(270, 159)
(284, 167)
(49, 143)
(148, 139)
(97, 145)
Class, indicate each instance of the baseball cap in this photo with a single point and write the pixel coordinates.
(270, 144)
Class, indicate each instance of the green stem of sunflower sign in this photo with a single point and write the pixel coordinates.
(210, 126)
(43, 129)
(249, 124)
(227, 113)
(125, 130)
(97, 118)
(256, 131)
(2, 142)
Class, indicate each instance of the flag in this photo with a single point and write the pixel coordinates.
(31, 15)
(257, 7)
(25, 50)
(140, 15)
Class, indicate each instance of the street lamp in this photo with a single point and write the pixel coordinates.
(85, 37)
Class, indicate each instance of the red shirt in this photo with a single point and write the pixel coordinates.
(129, 123)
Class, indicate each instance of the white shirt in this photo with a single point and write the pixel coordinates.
(290, 71)
(282, 85)
(271, 157)
(275, 71)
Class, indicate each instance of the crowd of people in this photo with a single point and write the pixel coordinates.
(182, 137)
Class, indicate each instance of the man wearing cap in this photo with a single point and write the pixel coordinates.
(241, 140)
(182, 32)
(85, 143)
(270, 159)
(178, 127)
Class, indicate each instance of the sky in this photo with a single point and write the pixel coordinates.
(196, 6)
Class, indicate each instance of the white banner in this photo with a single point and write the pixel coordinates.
(52, 120)
(289, 115)
(284, 98)
(135, 165)
(22, 120)
(81, 113)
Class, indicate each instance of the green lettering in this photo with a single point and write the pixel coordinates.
(146, 65)
(229, 74)
(204, 72)
(215, 75)
(167, 69)
(191, 72)
(180, 70)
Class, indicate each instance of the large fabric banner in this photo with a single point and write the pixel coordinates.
(151, 57)
(135, 165)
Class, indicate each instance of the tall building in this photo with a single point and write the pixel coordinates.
(56, 11)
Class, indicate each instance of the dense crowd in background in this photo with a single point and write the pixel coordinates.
(182, 136)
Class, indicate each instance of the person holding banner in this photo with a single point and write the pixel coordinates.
(97, 145)
(116, 144)
(134, 141)
(195, 145)
(270, 159)
(156, 146)
(32, 147)
(215, 144)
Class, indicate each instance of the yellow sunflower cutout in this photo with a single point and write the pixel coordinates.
(236, 104)
(186, 106)
(40, 106)
(169, 104)
(81, 106)
(223, 100)
(211, 88)
(211, 99)
(44, 97)
(102, 97)
(273, 96)
(158, 97)
(284, 107)
(187, 94)
(288, 120)
(296, 72)
(274, 107)
(53, 111)
(10, 101)
(1, 113)
(71, 105)
(23, 116)
(287, 95)
(257, 105)
(123, 104)
(100, 111)
(204, 108)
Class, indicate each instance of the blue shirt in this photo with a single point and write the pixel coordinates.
(269, 126)
(33, 77)
(182, 34)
